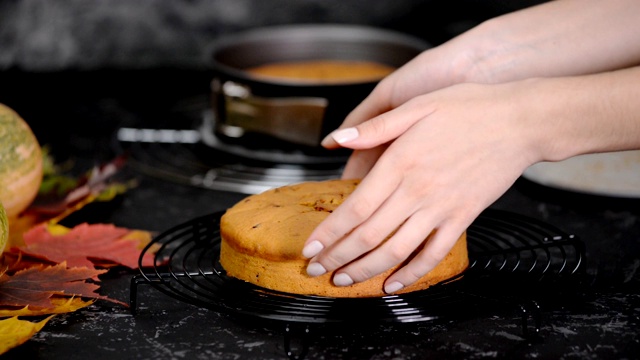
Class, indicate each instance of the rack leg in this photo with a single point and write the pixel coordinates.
(133, 292)
(304, 343)
(534, 313)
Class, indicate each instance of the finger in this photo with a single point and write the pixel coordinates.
(408, 237)
(355, 210)
(376, 103)
(384, 127)
(361, 162)
(435, 250)
(369, 235)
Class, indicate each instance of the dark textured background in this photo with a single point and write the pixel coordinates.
(76, 70)
(43, 35)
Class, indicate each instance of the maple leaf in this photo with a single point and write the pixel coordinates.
(14, 260)
(35, 287)
(83, 243)
(15, 332)
(59, 192)
(61, 195)
(60, 304)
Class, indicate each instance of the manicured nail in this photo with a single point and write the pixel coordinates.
(345, 135)
(312, 249)
(342, 279)
(315, 269)
(393, 287)
(326, 140)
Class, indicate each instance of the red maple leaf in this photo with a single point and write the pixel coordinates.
(82, 243)
(36, 285)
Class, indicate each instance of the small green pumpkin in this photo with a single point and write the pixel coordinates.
(20, 163)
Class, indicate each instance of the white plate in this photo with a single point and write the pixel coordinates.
(611, 174)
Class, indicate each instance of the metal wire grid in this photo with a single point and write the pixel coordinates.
(508, 253)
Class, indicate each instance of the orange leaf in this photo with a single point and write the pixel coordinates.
(14, 260)
(35, 286)
(20, 225)
(14, 332)
(77, 246)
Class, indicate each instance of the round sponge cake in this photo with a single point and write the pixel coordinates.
(263, 235)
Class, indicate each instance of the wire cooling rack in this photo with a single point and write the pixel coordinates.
(513, 259)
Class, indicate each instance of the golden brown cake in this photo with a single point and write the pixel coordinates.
(263, 235)
(323, 71)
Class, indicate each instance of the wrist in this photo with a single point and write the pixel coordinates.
(570, 116)
(483, 55)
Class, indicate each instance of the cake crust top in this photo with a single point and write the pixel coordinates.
(277, 222)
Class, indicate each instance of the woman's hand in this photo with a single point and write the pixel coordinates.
(433, 154)
(437, 66)
(447, 156)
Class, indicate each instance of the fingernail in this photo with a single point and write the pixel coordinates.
(342, 279)
(345, 135)
(312, 249)
(326, 140)
(393, 287)
(315, 269)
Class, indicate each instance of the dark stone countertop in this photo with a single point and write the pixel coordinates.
(602, 322)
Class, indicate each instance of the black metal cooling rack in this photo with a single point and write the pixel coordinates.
(513, 259)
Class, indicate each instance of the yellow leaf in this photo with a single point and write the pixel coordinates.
(113, 190)
(143, 238)
(61, 305)
(57, 229)
(15, 332)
